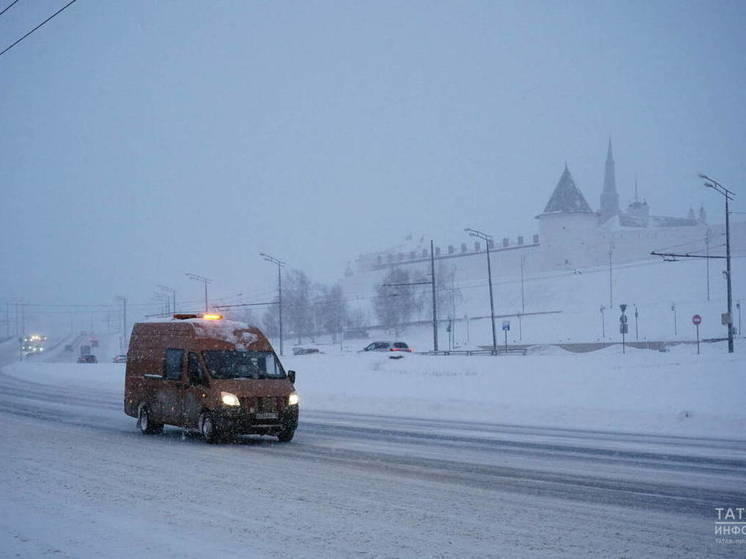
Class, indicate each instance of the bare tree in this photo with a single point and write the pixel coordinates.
(332, 310)
(296, 304)
(394, 302)
(270, 322)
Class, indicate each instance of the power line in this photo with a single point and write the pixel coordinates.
(63, 8)
(9, 7)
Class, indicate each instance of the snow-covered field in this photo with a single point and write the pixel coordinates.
(677, 392)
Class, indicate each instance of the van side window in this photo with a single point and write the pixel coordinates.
(172, 365)
(194, 369)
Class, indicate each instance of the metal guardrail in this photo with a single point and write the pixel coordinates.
(469, 352)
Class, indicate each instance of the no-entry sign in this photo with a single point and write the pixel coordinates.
(696, 320)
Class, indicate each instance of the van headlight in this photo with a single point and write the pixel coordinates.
(293, 399)
(229, 399)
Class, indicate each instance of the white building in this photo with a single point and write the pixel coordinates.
(570, 236)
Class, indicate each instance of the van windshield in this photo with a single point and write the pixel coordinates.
(228, 363)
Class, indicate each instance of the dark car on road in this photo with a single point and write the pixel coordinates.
(90, 358)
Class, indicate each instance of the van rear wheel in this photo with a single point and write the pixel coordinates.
(144, 423)
(208, 428)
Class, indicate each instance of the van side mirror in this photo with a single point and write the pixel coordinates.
(291, 376)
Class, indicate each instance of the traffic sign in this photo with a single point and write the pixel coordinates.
(623, 328)
(696, 320)
(506, 324)
(623, 319)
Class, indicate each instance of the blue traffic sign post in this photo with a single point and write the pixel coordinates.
(697, 320)
(623, 327)
(506, 329)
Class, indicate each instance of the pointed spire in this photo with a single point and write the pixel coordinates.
(609, 196)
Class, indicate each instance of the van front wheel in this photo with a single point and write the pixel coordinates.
(144, 423)
(208, 428)
(286, 435)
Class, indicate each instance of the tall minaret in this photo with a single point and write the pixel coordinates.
(609, 196)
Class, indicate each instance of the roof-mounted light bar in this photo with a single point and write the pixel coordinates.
(204, 316)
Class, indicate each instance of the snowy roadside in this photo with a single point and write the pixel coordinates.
(675, 393)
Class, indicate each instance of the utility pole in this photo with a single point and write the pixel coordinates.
(675, 322)
(172, 291)
(487, 240)
(279, 264)
(637, 333)
(611, 287)
(603, 323)
(707, 260)
(435, 307)
(124, 321)
(728, 195)
(523, 291)
(197, 277)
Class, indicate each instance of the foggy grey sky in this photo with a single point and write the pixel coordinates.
(142, 140)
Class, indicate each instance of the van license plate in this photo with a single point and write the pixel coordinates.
(266, 415)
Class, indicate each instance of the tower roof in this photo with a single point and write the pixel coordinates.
(567, 197)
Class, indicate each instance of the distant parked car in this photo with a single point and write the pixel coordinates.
(397, 347)
(90, 358)
(69, 348)
(120, 359)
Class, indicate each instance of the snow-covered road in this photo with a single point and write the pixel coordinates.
(80, 481)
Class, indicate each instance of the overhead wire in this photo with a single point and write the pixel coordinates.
(9, 7)
(55, 14)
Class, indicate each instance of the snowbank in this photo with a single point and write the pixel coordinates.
(643, 391)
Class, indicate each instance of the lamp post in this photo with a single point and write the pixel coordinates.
(487, 240)
(124, 321)
(728, 195)
(435, 304)
(279, 264)
(603, 323)
(203, 279)
(637, 332)
(611, 284)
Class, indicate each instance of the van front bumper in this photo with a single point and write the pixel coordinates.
(241, 421)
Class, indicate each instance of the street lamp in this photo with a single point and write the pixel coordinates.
(124, 321)
(279, 264)
(487, 240)
(637, 332)
(728, 195)
(196, 277)
(603, 323)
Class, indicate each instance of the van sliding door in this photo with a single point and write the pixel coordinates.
(171, 394)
